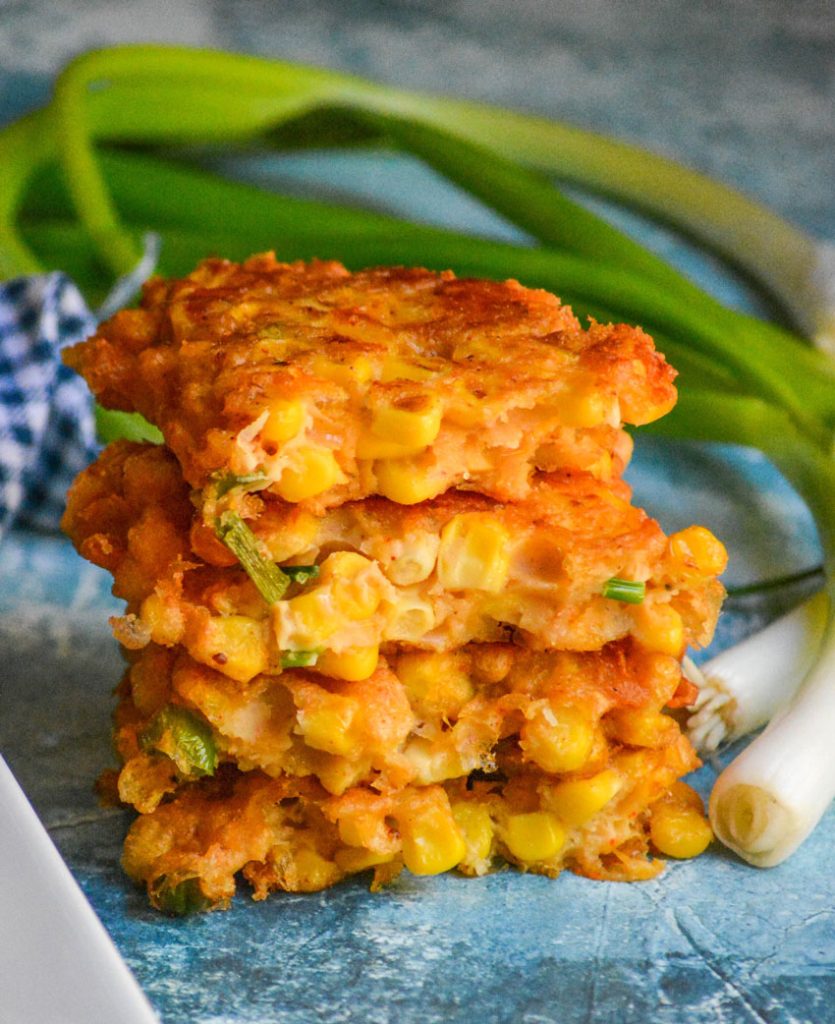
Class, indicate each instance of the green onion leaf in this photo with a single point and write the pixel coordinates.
(226, 482)
(628, 591)
(271, 582)
(300, 659)
(184, 738)
(178, 898)
(301, 573)
(112, 425)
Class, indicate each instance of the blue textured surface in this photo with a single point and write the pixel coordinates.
(742, 90)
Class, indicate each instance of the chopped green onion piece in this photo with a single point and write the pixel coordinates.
(178, 898)
(301, 573)
(226, 482)
(184, 738)
(112, 425)
(300, 659)
(629, 591)
(271, 582)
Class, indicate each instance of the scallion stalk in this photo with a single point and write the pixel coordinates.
(628, 591)
(271, 582)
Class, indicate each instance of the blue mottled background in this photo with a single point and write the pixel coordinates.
(744, 90)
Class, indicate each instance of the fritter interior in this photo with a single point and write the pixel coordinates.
(330, 386)
(457, 569)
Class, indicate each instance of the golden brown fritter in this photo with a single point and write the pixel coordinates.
(330, 386)
(289, 834)
(449, 571)
(420, 718)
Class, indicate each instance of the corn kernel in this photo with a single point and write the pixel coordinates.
(358, 372)
(642, 727)
(658, 627)
(437, 684)
(353, 664)
(413, 421)
(697, 546)
(371, 447)
(476, 826)
(412, 618)
(398, 369)
(405, 482)
(353, 584)
(327, 725)
(534, 837)
(577, 800)
(408, 560)
(311, 871)
(337, 774)
(284, 420)
(164, 622)
(432, 761)
(313, 471)
(584, 408)
(291, 539)
(431, 841)
(233, 644)
(309, 619)
(353, 860)
(474, 553)
(679, 831)
(558, 739)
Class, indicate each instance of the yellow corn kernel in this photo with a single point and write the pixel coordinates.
(534, 837)
(558, 739)
(371, 447)
(358, 372)
(601, 469)
(658, 627)
(697, 546)
(327, 725)
(398, 369)
(678, 830)
(413, 421)
(412, 618)
(312, 471)
(338, 774)
(474, 553)
(476, 826)
(164, 622)
(234, 645)
(284, 420)
(642, 727)
(352, 860)
(291, 539)
(311, 871)
(353, 664)
(310, 618)
(432, 761)
(438, 684)
(431, 841)
(353, 584)
(405, 482)
(584, 408)
(408, 560)
(575, 801)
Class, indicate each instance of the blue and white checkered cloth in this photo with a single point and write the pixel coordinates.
(47, 431)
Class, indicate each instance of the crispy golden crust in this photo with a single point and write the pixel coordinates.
(453, 570)
(289, 834)
(420, 718)
(515, 381)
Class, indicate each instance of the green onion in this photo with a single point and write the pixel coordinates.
(628, 591)
(300, 659)
(177, 899)
(271, 582)
(226, 482)
(301, 573)
(111, 425)
(183, 737)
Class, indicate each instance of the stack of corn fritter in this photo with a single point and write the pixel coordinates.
(388, 603)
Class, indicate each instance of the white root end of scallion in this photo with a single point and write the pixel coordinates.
(742, 688)
(771, 797)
